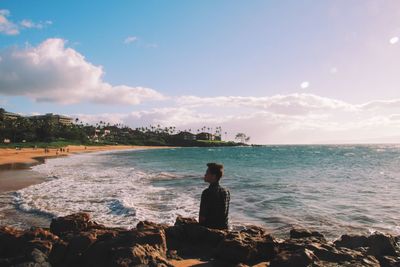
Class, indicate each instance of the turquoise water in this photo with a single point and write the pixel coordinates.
(332, 189)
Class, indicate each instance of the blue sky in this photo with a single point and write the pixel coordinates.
(281, 71)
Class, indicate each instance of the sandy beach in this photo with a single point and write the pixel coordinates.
(14, 164)
(30, 155)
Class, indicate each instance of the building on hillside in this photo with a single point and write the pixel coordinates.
(50, 117)
(217, 138)
(185, 136)
(9, 116)
(205, 136)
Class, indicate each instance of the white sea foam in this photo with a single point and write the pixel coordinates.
(115, 194)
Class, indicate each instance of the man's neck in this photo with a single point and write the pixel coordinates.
(214, 184)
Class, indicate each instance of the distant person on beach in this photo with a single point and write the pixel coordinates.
(214, 205)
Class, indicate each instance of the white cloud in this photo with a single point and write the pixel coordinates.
(394, 40)
(304, 85)
(55, 73)
(7, 27)
(11, 28)
(274, 119)
(281, 104)
(26, 23)
(130, 39)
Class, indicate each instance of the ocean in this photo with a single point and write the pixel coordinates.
(334, 189)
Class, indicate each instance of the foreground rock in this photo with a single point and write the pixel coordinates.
(75, 240)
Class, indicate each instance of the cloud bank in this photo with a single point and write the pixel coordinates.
(280, 119)
(54, 73)
(9, 27)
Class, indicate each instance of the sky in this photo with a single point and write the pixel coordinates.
(282, 72)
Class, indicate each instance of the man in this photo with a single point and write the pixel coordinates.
(214, 205)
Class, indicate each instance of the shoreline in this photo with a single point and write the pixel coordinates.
(15, 165)
(28, 156)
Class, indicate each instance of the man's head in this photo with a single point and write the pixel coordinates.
(214, 172)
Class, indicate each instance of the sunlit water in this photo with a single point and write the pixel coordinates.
(332, 189)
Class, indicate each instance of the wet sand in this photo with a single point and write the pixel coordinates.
(30, 155)
(13, 180)
(15, 172)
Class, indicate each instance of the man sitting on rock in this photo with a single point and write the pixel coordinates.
(214, 205)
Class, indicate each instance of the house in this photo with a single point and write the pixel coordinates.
(50, 117)
(5, 115)
(185, 136)
(205, 136)
(217, 138)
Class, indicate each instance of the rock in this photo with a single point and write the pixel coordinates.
(299, 258)
(389, 261)
(189, 233)
(332, 254)
(58, 253)
(235, 249)
(78, 245)
(45, 246)
(10, 242)
(182, 221)
(303, 233)
(247, 246)
(128, 248)
(72, 223)
(150, 225)
(381, 245)
(39, 233)
(139, 254)
(352, 241)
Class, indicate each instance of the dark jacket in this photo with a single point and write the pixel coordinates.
(214, 207)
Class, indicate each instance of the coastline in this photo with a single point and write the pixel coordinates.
(15, 172)
(33, 156)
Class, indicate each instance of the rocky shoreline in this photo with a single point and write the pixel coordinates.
(75, 240)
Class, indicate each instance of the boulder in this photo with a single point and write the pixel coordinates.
(58, 253)
(183, 221)
(138, 254)
(190, 233)
(381, 245)
(352, 241)
(249, 245)
(72, 223)
(78, 245)
(303, 233)
(300, 258)
(10, 241)
(150, 225)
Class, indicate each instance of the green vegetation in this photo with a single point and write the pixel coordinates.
(27, 132)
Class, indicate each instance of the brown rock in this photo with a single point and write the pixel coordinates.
(332, 254)
(10, 241)
(150, 225)
(381, 245)
(352, 241)
(58, 253)
(299, 258)
(182, 221)
(235, 249)
(249, 245)
(39, 233)
(389, 261)
(72, 223)
(79, 244)
(303, 233)
(44, 246)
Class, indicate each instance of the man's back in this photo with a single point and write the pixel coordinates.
(214, 207)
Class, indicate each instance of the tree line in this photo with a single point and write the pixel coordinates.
(23, 129)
